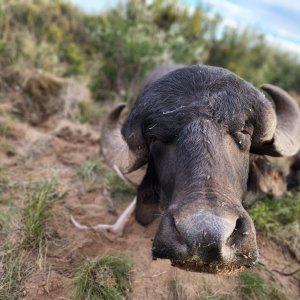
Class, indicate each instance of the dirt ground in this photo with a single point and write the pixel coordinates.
(41, 153)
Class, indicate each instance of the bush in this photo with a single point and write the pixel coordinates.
(280, 219)
(271, 214)
(116, 48)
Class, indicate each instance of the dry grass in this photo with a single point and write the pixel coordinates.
(39, 97)
(176, 290)
(13, 270)
(8, 130)
(289, 236)
(91, 112)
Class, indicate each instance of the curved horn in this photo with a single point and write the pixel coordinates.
(286, 138)
(113, 146)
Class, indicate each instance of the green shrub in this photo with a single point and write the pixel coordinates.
(116, 48)
(270, 214)
(128, 51)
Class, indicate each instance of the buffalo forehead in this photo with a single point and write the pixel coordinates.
(186, 94)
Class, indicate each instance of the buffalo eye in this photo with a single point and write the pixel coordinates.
(245, 131)
(243, 139)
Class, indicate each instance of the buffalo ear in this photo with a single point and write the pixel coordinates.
(148, 197)
(282, 137)
(264, 178)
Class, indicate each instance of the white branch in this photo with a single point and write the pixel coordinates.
(116, 228)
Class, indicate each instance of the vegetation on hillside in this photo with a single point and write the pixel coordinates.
(114, 49)
(23, 231)
(250, 286)
(280, 220)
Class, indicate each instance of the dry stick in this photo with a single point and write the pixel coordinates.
(267, 269)
(279, 272)
(287, 274)
(116, 228)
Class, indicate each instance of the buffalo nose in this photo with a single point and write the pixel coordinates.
(207, 234)
(208, 239)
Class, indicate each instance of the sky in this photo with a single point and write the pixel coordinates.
(279, 20)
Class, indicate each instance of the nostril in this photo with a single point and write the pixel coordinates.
(240, 231)
(168, 242)
(240, 225)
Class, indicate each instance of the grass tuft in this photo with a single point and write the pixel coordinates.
(280, 220)
(96, 175)
(102, 278)
(37, 213)
(271, 214)
(89, 172)
(252, 286)
(214, 296)
(118, 187)
(12, 272)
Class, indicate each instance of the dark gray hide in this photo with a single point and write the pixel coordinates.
(196, 127)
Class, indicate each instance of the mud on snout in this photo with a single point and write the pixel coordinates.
(210, 240)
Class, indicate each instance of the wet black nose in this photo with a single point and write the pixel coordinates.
(206, 234)
(202, 236)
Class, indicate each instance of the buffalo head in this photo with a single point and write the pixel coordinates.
(196, 128)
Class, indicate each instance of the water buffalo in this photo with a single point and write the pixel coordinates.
(198, 128)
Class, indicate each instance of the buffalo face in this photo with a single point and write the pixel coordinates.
(204, 226)
(196, 127)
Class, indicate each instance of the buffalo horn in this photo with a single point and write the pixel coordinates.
(113, 146)
(286, 138)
